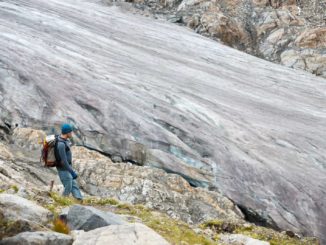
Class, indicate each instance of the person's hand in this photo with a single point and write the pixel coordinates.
(74, 175)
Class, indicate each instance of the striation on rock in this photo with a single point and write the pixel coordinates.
(131, 85)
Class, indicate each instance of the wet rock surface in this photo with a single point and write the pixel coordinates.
(253, 129)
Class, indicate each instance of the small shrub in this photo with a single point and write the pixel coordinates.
(60, 226)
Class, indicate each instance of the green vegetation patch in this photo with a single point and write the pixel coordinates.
(100, 201)
(274, 237)
(174, 231)
(256, 232)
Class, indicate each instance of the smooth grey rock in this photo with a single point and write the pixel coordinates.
(239, 239)
(132, 84)
(14, 207)
(89, 218)
(38, 238)
(127, 234)
(116, 159)
(65, 211)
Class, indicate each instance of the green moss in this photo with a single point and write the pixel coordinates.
(219, 226)
(257, 232)
(1, 190)
(176, 232)
(125, 206)
(15, 188)
(274, 237)
(100, 201)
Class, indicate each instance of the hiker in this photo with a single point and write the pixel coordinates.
(66, 174)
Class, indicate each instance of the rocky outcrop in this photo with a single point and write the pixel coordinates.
(136, 233)
(39, 238)
(99, 176)
(251, 129)
(100, 213)
(89, 218)
(153, 188)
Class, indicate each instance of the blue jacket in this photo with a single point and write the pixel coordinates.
(64, 152)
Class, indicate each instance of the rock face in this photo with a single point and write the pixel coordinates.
(89, 218)
(39, 238)
(176, 195)
(288, 32)
(153, 188)
(136, 234)
(138, 89)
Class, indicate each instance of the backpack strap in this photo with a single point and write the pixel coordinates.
(56, 152)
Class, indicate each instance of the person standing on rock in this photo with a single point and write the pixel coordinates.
(66, 173)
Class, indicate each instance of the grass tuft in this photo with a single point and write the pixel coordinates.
(219, 226)
(62, 200)
(100, 201)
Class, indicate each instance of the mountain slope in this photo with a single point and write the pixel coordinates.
(289, 32)
(160, 95)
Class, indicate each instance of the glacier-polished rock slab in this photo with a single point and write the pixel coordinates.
(160, 95)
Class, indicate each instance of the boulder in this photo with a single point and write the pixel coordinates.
(18, 214)
(239, 239)
(89, 218)
(38, 238)
(14, 207)
(136, 234)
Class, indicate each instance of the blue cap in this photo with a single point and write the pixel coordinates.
(66, 128)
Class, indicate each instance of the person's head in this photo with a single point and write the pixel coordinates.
(66, 130)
